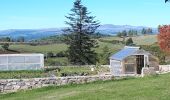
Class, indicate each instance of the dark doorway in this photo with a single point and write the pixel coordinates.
(140, 63)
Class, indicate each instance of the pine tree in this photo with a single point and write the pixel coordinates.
(104, 57)
(81, 26)
(5, 46)
(144, 32)
(124, 35)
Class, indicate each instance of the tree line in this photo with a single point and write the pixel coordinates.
(5, 46)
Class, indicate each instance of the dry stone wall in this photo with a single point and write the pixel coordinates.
(13, 85)
(148, 71)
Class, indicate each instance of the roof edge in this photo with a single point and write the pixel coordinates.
(131, 47)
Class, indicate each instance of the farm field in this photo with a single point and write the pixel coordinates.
(55, 48)
(148, 88)
(60, 47)
(59, 71)
(138, 40)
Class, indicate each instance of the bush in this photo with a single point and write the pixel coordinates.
(50, 55)
(53, 69)
(65, 74)
(155, 50)
(129, 42)
(61, 54)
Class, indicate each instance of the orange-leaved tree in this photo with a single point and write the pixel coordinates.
(164, 38)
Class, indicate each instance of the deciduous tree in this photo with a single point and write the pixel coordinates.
(164, 38)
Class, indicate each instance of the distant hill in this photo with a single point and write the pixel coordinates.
(114, 29)
(32, 34)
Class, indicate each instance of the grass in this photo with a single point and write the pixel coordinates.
(22, 74)
(61, 61)
(58, 47)
(148, 88)
(55, 48)
(139, 40)
(69, 70)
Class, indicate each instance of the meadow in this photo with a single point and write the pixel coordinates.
(61, 47)
(148, 88)
(58, 47)
(51, 71)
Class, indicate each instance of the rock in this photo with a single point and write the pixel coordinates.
(18, 84)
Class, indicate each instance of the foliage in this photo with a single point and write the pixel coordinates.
(132, 33)
(110, 41)
(21, 39)
(51, 39)
(50, 55)
(129, 42)
(81, 45)
(21, 74)
(155, 50)
(164, 38)
(47, 72)
(61, 54)
(57, 61)
(104, 56)
(146, 31)
(5, 46)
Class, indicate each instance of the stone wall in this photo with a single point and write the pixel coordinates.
(164, 68)
(148, 71)
(13, 85)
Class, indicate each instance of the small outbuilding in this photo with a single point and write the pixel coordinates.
(131, 60)
(12, 62)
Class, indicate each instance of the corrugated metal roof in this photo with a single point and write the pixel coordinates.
(127, 51)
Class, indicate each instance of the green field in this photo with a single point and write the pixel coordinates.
(148, 88)
(138, 40)
(47, 72)
(55, 48)
(60, 47)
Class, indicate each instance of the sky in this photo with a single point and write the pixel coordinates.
(36, 14)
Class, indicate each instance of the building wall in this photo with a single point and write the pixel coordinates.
(130, 65)
(154, 62)
(116, 68)
(21, 62)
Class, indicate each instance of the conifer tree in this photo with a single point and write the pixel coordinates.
(81, 27)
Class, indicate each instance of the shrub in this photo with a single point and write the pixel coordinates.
(50, 55)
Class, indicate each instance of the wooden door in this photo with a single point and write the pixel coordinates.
(140, 63)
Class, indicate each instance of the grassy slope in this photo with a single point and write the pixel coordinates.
(148, 88)
(40, 49)
(139, 40)
(55, 48)
(39, 74)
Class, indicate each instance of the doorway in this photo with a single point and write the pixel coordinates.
(140, 63)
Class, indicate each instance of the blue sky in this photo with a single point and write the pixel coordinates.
(35, 14)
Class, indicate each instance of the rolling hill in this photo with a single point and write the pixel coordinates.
(32, 34)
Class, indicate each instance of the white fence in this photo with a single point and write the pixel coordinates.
(21, 62)
(164, 68)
